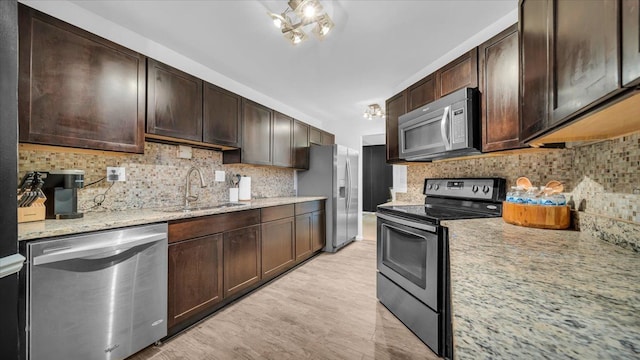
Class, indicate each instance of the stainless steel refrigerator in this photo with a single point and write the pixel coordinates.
(333, 172)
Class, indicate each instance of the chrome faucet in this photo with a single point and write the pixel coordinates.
(187, 189)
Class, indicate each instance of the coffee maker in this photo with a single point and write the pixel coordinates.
(61, 189)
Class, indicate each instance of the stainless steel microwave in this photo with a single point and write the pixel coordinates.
(447, 127)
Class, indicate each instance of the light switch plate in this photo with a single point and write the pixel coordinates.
(219, 176)
(184, 152)
(115, 174)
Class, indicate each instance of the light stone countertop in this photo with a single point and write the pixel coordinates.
(102, 220)
(523, 293)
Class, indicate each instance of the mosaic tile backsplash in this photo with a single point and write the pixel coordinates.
(601, 179)
(156, 178)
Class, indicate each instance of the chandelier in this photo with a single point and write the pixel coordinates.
(298, 15)
(373, 111)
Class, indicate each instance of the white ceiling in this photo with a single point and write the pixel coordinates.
(374, 47)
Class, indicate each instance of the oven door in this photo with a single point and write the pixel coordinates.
(409, 255)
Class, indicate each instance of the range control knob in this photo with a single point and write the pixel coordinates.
(436, 187)
(485, 189)
(429, 186)
(474, 188)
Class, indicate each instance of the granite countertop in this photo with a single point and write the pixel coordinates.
(523, 293)
(101, 220)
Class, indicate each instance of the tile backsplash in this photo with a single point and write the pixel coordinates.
(156, 178)
(601, 179)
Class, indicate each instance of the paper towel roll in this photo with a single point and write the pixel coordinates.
(245, 188)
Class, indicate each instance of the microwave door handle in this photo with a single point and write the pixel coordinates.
(444, 127)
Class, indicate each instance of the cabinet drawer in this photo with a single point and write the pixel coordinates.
(309, 206)
(206, 225)
(276, 212)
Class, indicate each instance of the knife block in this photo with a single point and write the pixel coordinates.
(35, 212)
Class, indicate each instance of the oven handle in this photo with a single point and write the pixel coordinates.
(415, 225)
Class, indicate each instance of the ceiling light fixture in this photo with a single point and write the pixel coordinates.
(298, 15)
(373, 111)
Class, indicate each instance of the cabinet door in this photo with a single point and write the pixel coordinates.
(303, 236)
(282, 138)
(221, 116)
(278, 246)
(174, 102)
(584, 55)
(499, 87)
(315, 136)
(395, 107)
(300, 145)
(421, 93)
(630, 42)
(256, 133)
(328, 138)
(461, 72)
(77, 89)
(318, 230)
(195, 277)
(534, 81)
(241, 259)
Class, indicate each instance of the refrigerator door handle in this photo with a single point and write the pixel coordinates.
(348, 176)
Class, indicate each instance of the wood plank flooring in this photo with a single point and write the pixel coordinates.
(325, 309)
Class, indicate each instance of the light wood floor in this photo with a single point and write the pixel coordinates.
(325, 309)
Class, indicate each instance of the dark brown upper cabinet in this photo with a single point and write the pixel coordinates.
(320, 137)
(498, 78)
(584, 55)
(328, 138)
(256, 133)
(174, 102)
(300, 145)
(77, 89)
(282, 140)
(394, 108)
(421, 93)
(221, 123)
(315, 136)
(572, 71)
(461, 72)
(534, 62)
(630, 43)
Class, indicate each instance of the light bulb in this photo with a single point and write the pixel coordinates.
(296, 39)
(277, 23)
(324, 30)
(309, 11)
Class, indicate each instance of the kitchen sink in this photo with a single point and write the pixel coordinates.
(202, 207)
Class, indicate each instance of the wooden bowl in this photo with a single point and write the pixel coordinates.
(537, 216)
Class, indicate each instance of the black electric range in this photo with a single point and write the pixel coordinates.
(451, 199)
(413, 279)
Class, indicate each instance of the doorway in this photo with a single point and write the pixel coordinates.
(377, 177)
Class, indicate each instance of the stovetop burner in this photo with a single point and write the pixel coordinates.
(452, 199)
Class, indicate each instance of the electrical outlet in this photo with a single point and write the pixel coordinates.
(115, 174)
(219, 176)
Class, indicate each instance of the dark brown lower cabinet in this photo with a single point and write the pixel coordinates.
(241, 259)
(318, 233)
(303, 237)
(195, 277)
(310, 234)
(278, 246)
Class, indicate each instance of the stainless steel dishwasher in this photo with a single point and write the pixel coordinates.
(100, 295)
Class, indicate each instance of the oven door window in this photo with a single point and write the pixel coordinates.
(405, 253)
